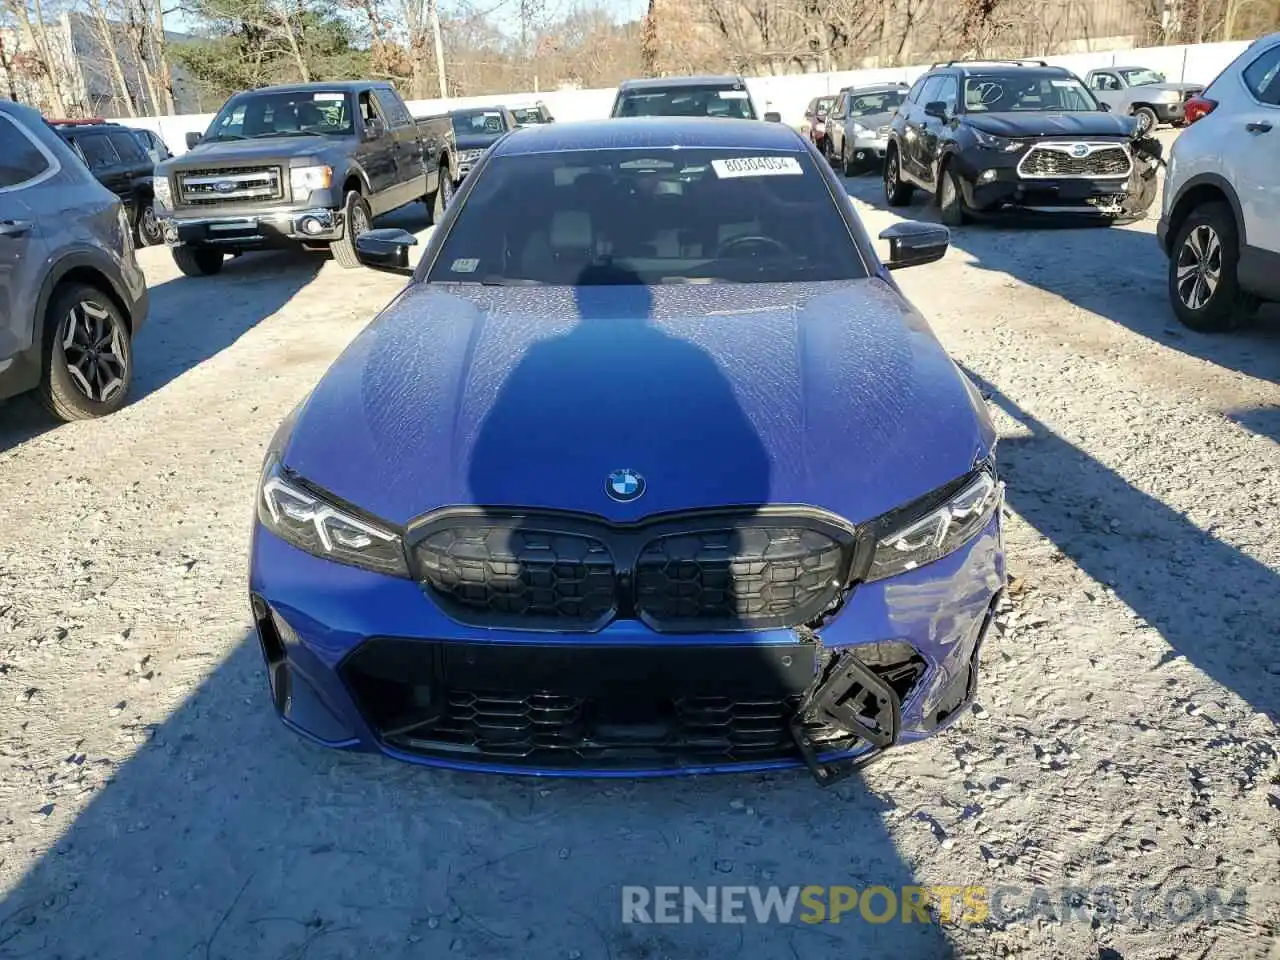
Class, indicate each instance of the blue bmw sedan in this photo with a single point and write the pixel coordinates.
(650, 469)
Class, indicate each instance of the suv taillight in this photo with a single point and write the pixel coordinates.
(1197, 108)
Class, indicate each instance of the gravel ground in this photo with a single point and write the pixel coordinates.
(151, 806)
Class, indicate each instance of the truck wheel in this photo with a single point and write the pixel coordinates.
(356, 216)
(198, 261)
(87, 357)
(896, 193)
(444, 195)
(147, 227)
(1147, 121)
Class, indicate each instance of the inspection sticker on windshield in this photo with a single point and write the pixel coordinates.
(328, 97)
(465, 265)
(733, 94)
(757, 167)
(1063, 83)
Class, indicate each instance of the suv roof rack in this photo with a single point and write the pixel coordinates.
(86, 122)
(1016, 63)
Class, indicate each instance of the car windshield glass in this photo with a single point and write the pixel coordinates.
(479, 121)
(822, 106)
(310, 112)
(649, 216)
(884, 101)
(527, 114)
(1141, 78)
(687, 102)
(1008, 93)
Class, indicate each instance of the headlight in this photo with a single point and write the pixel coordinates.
(160, 190)
(990, 142)
(942, 530)
(470, 156)
(300, 516)
(302, 180)
(859, 130)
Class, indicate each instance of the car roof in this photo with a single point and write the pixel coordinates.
(1122, 66)
(346, 86)
(877, 88)
(635, 132)
(1002, 66)
(662, 83)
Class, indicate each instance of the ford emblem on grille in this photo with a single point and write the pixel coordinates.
(1079, 149)
(224, 186)
(624, 485)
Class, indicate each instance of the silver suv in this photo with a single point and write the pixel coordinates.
(71, 292)
(1220, 220)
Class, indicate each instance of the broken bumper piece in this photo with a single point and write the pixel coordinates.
(850, 703)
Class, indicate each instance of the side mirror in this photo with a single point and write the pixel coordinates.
(386, 249)
(773, 116)
(1104, 106)
(551, 119)
(192, 139)
(373, 129)
(936, 108)
(912, 243)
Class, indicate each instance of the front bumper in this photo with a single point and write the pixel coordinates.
(259, 228)
(1067, 195)
(1170, 112)
(869, 149)
(363, 661)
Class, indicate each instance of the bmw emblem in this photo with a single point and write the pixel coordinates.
(1079, 149)
(624, 486)
(224, 186)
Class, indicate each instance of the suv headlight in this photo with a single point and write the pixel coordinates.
(299, 515)
(302, 180)
(991, 142)
(859, 130)
(160, 190)
(907, 540)
(470, 156)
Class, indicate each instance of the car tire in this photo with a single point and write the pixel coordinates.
(896, 193)
(444, 195)
(356, 220)
(88, 354)
(198, 261)
(1147, 121)
(1203, 286)
(847, 167)
(951, 207)
(146, 227)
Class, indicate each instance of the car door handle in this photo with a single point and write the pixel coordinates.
(1258, 126)
(14, 228)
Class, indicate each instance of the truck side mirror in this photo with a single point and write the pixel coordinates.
(373, 129)
(192, 139)
(773, 116)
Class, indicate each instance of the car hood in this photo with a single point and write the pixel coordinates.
(835, 395)
(1028, 124)
(477, 141)
(874, 121)
(252, 151)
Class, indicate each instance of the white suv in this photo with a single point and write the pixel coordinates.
(1220, 219)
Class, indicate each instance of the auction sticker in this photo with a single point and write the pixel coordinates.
(733, 94)
(465, 265)
(757, 167)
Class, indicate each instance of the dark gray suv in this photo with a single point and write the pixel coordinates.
(71, 292)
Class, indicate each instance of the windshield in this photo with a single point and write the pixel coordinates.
(255, 115)
(1009, 93)
(649, 216)
(702, 101)
(1141, 78)
(822, 106)
(525, 115)
(479, 122)
(885, 101)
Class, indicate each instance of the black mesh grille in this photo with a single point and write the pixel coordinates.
(1042, 162)
(677, 575)
(516, 572)
(740, 576)
(564, 705)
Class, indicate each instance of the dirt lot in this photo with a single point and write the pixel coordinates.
(151, 806)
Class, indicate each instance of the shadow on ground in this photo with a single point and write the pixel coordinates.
(1117, 273)
(1158, 563)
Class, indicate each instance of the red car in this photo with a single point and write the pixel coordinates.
(816, 116)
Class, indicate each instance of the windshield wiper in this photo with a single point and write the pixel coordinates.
(229, 136)
(493, 280)
(288, 133)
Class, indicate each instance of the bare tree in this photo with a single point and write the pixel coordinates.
(41, 57)
(108, 40)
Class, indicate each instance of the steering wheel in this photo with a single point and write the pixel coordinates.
(762, 244)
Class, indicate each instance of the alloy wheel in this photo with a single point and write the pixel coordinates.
(359, 221)
(446, 190)
(1199, 267)
(891, 174)
(92, 350)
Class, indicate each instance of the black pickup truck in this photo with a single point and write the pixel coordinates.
(307, 164)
